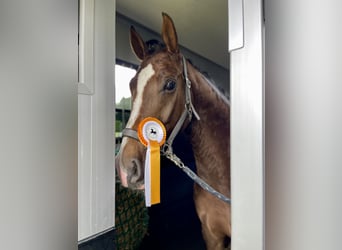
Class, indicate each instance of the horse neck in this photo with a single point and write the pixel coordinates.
(210, 135)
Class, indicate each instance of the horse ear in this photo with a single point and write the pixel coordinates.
(137, 44)
(169, 34)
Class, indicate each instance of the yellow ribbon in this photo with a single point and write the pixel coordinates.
(155, 172)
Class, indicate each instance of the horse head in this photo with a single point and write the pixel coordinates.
(157, 91)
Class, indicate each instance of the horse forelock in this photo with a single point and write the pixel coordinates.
(164, 61)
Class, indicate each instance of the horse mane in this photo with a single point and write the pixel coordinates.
(154, 46)
(219, 91)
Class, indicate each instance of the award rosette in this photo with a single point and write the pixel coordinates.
(152, 134)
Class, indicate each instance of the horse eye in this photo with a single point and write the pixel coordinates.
(170, 85)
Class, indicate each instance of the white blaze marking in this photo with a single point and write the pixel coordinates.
(143, 77)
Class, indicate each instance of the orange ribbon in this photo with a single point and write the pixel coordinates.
(152, 134)
(155, 172)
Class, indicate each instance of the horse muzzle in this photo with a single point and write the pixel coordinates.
(131, 174)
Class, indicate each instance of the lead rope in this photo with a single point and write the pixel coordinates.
(167, 148)
(178, 162)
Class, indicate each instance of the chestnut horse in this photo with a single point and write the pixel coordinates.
(159, 90)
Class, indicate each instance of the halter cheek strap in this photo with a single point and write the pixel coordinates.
(189, 107)
(189, 110)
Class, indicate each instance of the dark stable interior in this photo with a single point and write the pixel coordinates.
(173, 224)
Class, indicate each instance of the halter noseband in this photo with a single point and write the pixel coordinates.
(189, 110)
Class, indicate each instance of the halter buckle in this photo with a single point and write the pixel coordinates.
(188, 107)
(166, 148)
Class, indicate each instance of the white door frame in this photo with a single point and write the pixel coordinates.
(96, 175)
(247, 123)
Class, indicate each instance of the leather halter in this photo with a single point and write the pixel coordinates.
(189, 110)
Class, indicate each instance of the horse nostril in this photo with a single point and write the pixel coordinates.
(135, 174)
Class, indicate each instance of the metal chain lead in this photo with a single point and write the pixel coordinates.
(172, 157)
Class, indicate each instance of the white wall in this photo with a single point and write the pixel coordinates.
(38, 124)
(96, 179)
(303, 125)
